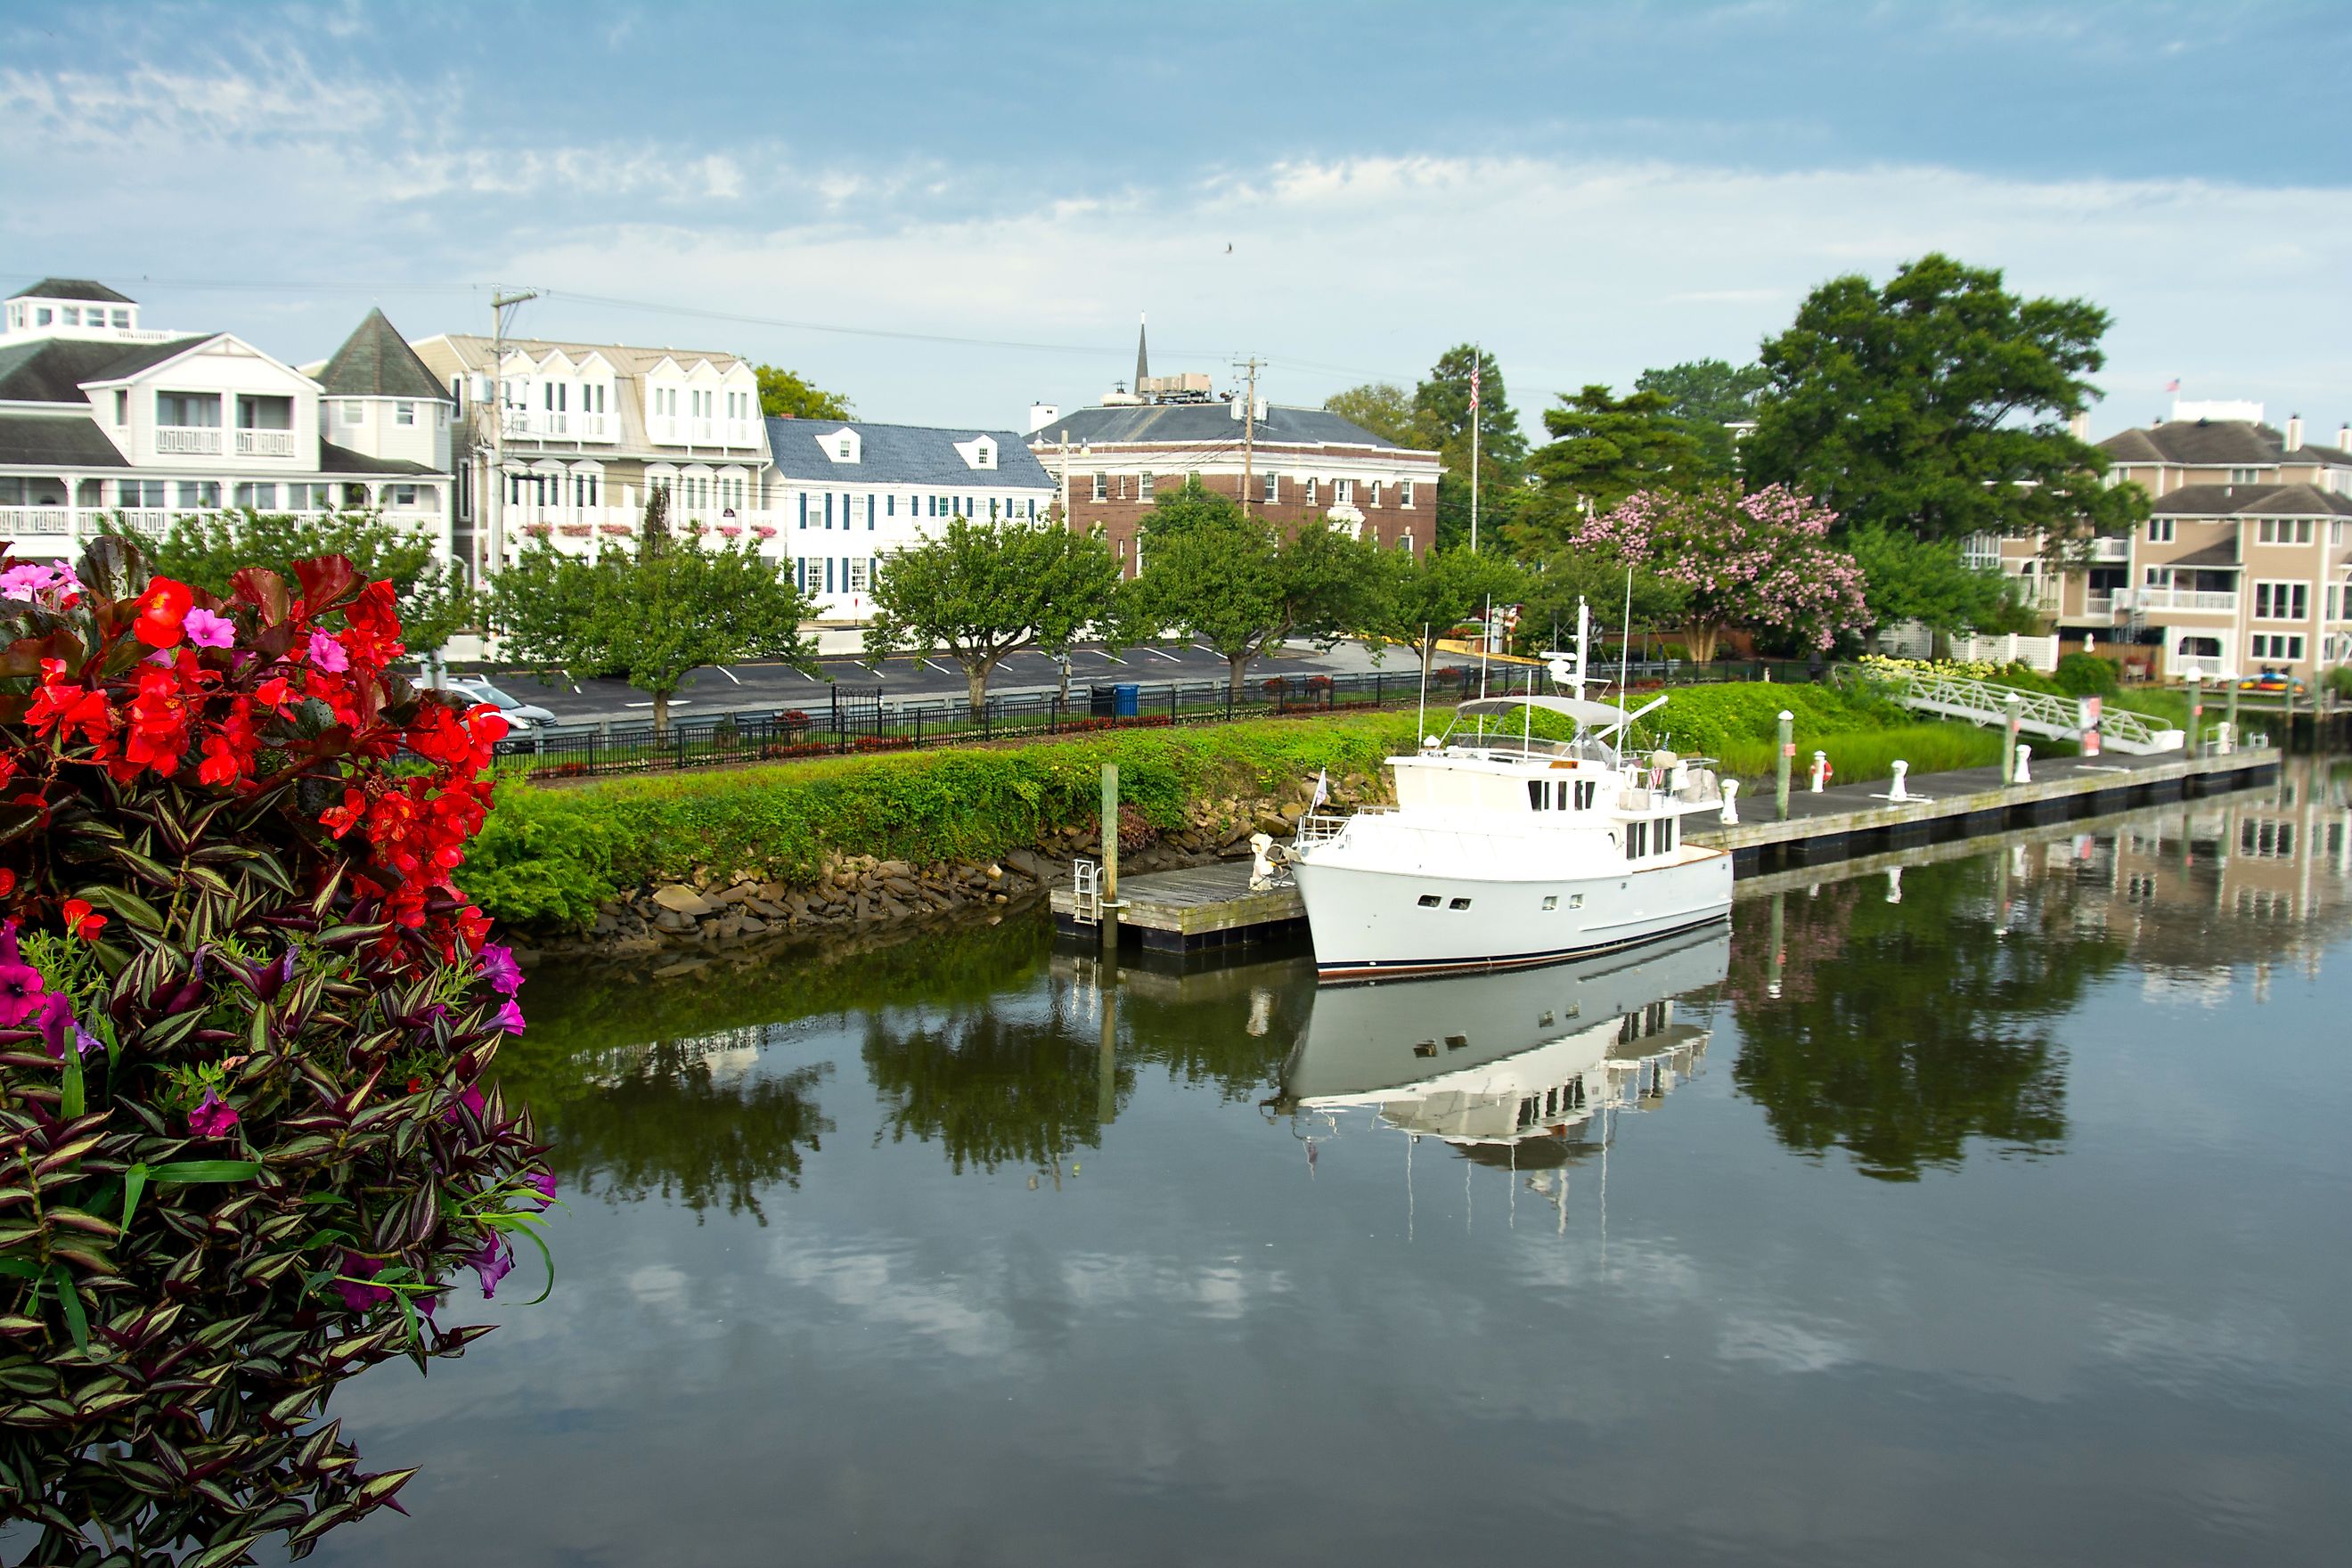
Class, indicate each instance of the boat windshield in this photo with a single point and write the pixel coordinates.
(1491, 742)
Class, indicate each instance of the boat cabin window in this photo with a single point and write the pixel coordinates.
(1637, 840)
(1560, 794)
(1585, 790)
(1459, 904)
(1665, 836)
(1551, 900)
(1429, 901)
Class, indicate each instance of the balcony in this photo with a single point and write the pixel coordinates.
(21, 519)
(2194, 601)
(265, 443)
(2103, 606)
(2110, 549)
(188, 440)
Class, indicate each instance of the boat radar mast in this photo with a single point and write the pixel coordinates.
(1568, 669)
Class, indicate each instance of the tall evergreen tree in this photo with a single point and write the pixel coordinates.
(1442, 406)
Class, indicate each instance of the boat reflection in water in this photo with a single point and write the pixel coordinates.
(1515, 1068)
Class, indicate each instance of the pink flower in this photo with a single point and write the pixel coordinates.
(359, 1296)
(207, 629)
(510, 1018)
(328, 654)
(213, 1117)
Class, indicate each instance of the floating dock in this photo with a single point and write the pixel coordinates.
(1205, 908)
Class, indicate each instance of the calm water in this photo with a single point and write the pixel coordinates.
(2007, 1222)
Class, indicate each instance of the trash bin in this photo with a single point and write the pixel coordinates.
(1102, 702)
(1128, 697)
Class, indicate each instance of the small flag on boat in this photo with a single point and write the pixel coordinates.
(1322, 789)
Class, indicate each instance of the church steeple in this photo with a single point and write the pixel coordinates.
(1143, 359)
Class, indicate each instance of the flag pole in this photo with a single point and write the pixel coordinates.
(1475, 354)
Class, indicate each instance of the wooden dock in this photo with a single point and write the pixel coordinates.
(1205, 908)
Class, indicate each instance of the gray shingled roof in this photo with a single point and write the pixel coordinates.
(334, 460)
(1202, 424)
(53, 370)
(71, 289)
(375, 361)
(2252, 500)
(2216, 443)
(46, 439)
(901, 455)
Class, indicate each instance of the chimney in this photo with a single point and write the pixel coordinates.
(2294, 432)
(1042, 415)
(2344, 437)
(2079, 427)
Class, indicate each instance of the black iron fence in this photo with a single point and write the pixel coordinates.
(856, 720)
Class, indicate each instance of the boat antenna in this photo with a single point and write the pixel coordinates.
(1421, 715)
(1624, 647)
(1486, 637)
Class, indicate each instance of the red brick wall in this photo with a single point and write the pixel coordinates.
(1121, 515)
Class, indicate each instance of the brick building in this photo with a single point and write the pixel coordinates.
(1109, 462)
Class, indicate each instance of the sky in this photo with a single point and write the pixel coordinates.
(947, 211)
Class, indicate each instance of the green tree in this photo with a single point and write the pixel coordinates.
(1441, 408)
(985, 591)
(786, 394)
(653, 617)
(1382, 407)
(1709, 395)
(1599, 579)
(1908, 578)
(1604, 450)
(208, 549)
(1938, 405)
(1416, 598)
(1233, 582)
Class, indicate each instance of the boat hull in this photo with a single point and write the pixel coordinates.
(1376, 921)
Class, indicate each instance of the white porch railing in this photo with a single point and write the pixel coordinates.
(34, 520)
(2108, 549)
(2034, 652)
(190, 440)
(2196, 601)
(2040, 713)
(265, 443)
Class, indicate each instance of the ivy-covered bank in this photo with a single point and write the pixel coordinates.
(852, 841)
(556, 858)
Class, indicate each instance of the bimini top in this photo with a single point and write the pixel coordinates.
(1590, 715)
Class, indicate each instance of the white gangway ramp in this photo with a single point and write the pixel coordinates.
(2040, 713)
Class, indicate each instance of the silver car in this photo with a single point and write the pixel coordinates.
(475, 688)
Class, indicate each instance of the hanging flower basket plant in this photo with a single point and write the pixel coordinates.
(620, 530)
(765, 531)
(578, 530)
(246, 1022)
(539, 529)
(732, 529)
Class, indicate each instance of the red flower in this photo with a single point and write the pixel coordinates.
(81, 922)
(162, 609)
(7, 881)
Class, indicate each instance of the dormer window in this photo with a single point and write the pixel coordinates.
(72, 315)
(843, 446)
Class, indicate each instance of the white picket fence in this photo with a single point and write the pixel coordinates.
(2034, 652)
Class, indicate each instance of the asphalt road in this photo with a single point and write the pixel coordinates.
(912, 679)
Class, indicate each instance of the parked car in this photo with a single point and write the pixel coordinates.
(475, 688)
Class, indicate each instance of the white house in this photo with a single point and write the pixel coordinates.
(850, 492)
(101, 416)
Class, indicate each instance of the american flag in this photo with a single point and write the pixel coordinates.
(1474, 384)
(2172, 385)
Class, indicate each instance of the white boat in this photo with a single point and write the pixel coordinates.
(1506, 849)
(1499, 1059)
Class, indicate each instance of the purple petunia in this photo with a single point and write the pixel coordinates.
(328, 654)
(470, 1097)
(213, 1117)
(21, 987)
(510, 1018)
(491, 1263)
(543, 1183)
(499, 968)
(207, 629)
(57, 1024)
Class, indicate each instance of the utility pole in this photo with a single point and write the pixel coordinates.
(1249, 434)
(502, 306)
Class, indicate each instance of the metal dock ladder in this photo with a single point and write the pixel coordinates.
(1086, 892)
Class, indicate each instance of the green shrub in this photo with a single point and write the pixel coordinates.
(552, 856)
(2087, 675)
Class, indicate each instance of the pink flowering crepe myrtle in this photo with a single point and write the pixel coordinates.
(1758, 558)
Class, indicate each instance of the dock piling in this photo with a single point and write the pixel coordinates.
(1111, 856)
(2015, 704)
(1788, 756)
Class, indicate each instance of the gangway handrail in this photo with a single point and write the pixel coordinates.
(1987, 703)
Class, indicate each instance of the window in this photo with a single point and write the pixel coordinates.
(1406, 541)
(1343, 492)
(1372, 493)
(2278, 645)
(1551, 900)
(200, 410)
(354, 411)
(1430, 900)
(138, 493)
(2282, 601)
(1309, 492)
(72, 315)
(1143, 486)
(1456, 904)
(259, 498)
(1102, 486)
(122, 320)
(2245, 476)
(41, 315)
(859, 570)
(2159, 531)
(1662, 836)
(123, 408)
(1538, 794)
(194, 493)
(402, 495)
(264, 412)
(2284, 531)
(1404, 492)
(1637, 840)
(1273, 488)
(405, 413)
